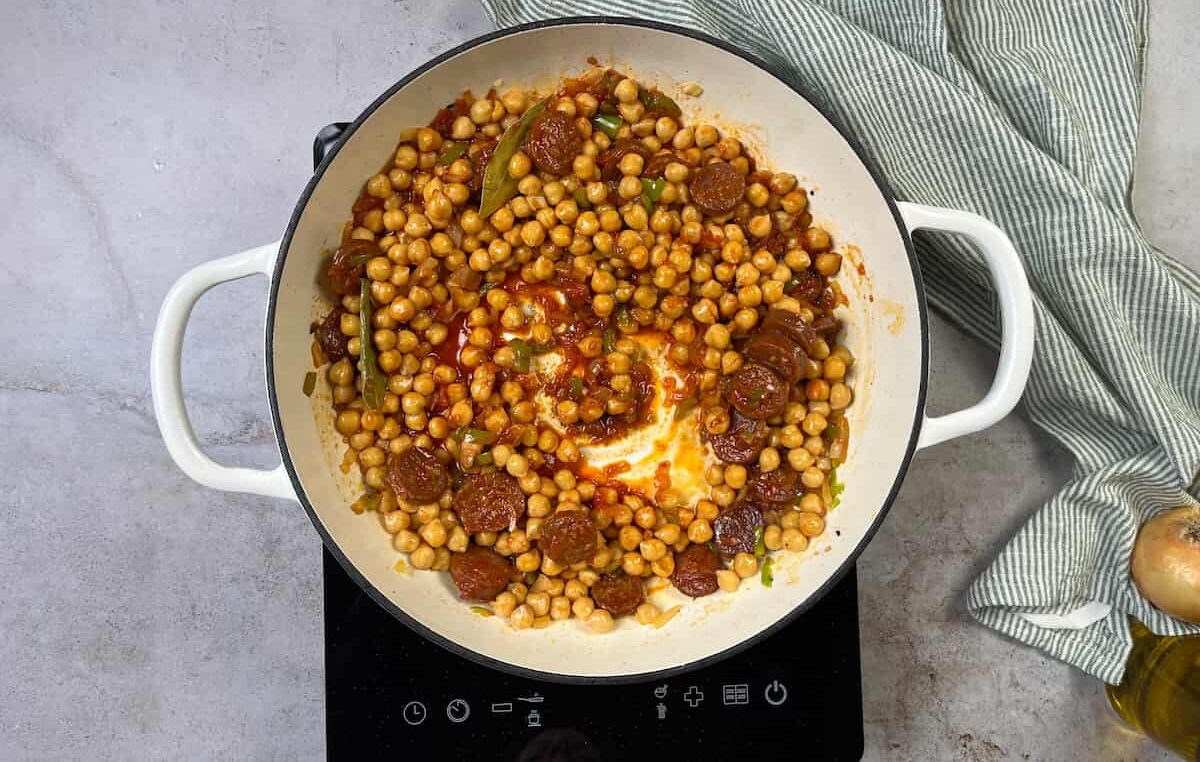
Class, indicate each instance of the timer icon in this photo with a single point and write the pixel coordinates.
(414, 713)
(458, 710)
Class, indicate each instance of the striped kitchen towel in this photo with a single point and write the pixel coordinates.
(1026, 113)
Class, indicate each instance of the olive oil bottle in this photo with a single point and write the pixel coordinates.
(1160, 694)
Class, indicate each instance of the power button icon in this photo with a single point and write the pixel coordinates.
(775, 693)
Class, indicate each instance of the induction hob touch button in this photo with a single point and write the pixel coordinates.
(775, 693)
(458, 710)
(414, 713)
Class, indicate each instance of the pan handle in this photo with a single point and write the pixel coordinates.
(167, 388)
(1016, 317)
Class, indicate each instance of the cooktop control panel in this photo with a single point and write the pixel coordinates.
(391, 693)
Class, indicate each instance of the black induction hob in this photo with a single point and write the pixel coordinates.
(391, 693)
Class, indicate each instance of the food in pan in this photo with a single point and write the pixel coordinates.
(583, 350)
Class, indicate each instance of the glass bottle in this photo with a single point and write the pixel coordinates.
(1160, 693)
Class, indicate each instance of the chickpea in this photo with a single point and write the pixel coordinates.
(434, 533)
(341, 373)
(633, 564)
(629, 187)
(603, 282)
(812, 477)
(631, 165)
(760, 226)
(517, 465)
(539, 602)
(379, 186)
(705, 311)
(817, 239)
(598, 621)
(646, 613)
(828, 263)
(583, 607)
(716, 420)
(773, 536)
(683, 139)
(810, 524)
(371, 456)
(514, 101)
(817, 389)
(405, 541)
(645, 517)
(347, 422)
(735, 476)
(839, 396)
(799, 459)
(406, 157)
(462, 128)
(521, 617)
(652, 549)
(629, 537)
(394, 520)
(717, 336)
(428, 140)
(560, 608)
(815, 445)
(728, 580)
(814, 424)
(422, 558)
(794, 540)
(699, 531)
(626, 91)
(519, 165)
(745, 565)
(706, 135)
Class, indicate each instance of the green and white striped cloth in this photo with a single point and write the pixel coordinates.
(1024, 111)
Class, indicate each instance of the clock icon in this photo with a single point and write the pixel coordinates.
(414, 713)
(458, 710)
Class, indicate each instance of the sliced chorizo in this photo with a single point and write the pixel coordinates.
(618, 594)
(791, 325)
(717, 188)
(328, 333)
(490, 502)
(417, 475)
(480, 573)
(568, 537)
(778, 487)
(776, 351)
(736, 529)
(695, 572)
(757, 391)
(742, 441)
(553, 142)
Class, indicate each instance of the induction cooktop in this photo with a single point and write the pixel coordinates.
(392, 694)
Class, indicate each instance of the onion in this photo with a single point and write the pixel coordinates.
(1166, 562)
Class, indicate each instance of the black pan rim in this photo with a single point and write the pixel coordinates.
(490, 662)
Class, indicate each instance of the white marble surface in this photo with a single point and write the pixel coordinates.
(143, 616)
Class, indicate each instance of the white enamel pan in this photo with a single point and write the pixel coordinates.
(886, 330)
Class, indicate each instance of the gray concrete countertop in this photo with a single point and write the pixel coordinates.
(143, 616)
